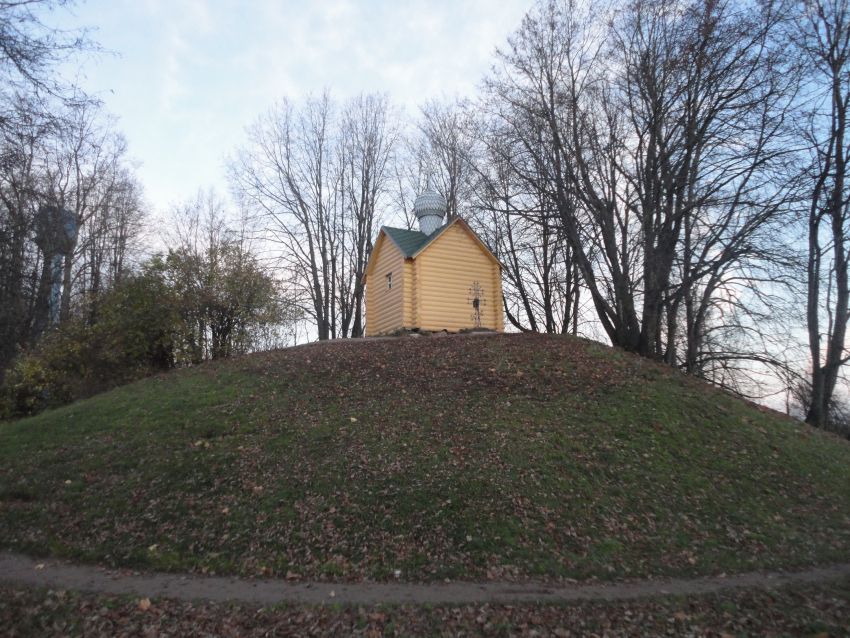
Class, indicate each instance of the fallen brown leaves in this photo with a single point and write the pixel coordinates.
(821, 611)
(512, 457)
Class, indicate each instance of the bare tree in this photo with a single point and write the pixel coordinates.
(20, 263)
(546, 113)
(30, 49)
(447, 139)
(821, 33)
(410, 172)
(31, 94)
(71, 163)
(656, 136)
(81, 168)
(111, 237)
(368, 137)
(315, 181)
(541, 281)
(286, 174)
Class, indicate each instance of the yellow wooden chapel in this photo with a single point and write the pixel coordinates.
(440, 277)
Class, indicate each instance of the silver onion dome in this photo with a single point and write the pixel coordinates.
(430, 208)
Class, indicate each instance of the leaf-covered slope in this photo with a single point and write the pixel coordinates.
(475, 457)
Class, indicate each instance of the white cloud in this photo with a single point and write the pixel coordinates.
(194, 73)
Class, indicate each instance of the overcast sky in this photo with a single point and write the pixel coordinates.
(186, 76)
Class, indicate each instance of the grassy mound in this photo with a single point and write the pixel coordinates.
(504, 457)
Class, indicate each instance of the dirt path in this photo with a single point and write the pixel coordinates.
(16, 569)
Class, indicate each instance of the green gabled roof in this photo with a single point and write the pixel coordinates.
(411, 242)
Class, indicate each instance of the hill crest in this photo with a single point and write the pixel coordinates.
(497, 457)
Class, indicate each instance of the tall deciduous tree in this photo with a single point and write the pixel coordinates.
(20, 149)
(368, 136)
(821, 33)
(82, 168)
(314, 175)
(654, 134)
(39, 116)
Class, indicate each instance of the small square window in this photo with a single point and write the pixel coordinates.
(389, 281)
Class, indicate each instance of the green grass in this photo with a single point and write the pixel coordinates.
(504, 457)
